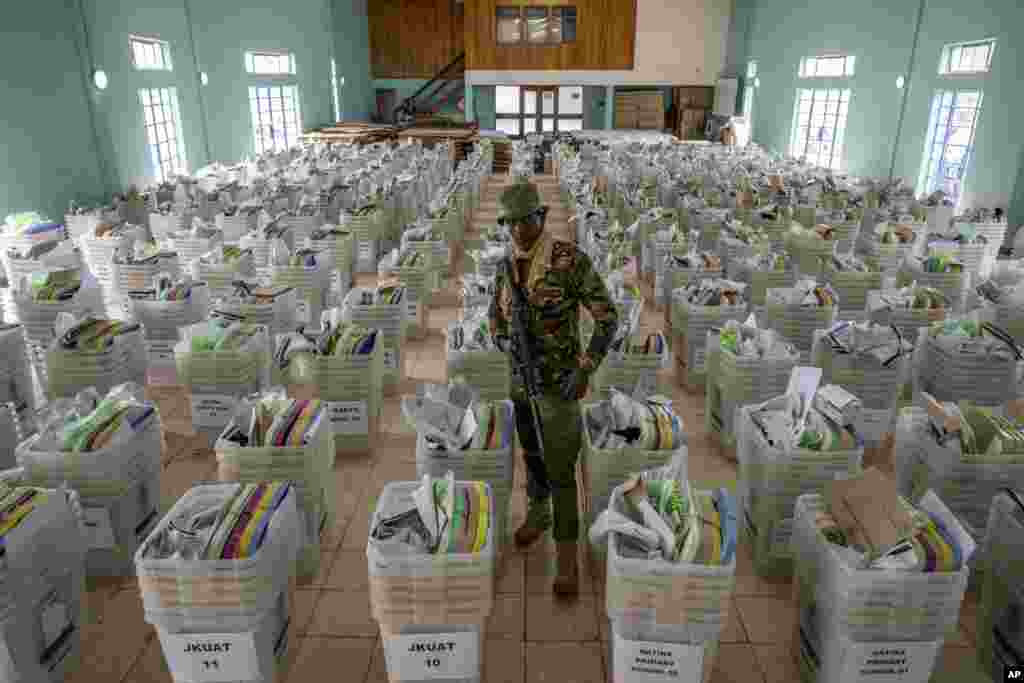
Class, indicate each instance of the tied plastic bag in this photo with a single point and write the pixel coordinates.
(443, 414)
(652, 534)
(89, 421)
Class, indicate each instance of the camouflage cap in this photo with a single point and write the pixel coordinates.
(519, 200)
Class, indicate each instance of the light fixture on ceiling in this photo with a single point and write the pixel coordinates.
(203, 78)
(900, 82)
(99, 79)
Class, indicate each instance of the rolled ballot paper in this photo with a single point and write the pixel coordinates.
(838, 405)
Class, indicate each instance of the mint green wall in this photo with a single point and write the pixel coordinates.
(352, 51)
(46, 135)
(119, 124)
(484, 106)
(881, 34)
(225, 29)
(406, 87)
(593, 106)
(212, 37)
(993, 172)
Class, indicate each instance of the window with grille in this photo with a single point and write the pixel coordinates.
(162, 123)
(819, 126)
(833, 66)
(967, 58)
(535, 25)
(150, 54)
(950, 142)
(270, 63)
(275, 117)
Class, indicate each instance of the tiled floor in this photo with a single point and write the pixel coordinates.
(530, 637)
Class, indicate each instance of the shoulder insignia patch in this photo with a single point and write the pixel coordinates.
(563, 255)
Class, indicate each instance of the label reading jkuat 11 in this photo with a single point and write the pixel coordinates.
(206, 658)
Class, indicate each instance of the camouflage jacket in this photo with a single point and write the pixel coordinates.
(561, 279)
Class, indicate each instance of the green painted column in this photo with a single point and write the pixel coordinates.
(609, 107)
(470, 112)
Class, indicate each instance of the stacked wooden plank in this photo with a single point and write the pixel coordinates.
(640, 110)
(353, 132)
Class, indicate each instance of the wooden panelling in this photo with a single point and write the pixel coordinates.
(414, 38)
(605, 38)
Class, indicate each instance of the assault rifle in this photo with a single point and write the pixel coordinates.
(522, 351)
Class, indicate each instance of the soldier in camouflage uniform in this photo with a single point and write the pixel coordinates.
(556, 278)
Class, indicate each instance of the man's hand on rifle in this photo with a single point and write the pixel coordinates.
(577, 381)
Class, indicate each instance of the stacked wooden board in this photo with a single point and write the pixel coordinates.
(640, 110)
(352, 132)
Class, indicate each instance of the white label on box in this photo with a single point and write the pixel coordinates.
(410, 309)
(211, 658)
(98, 529)
(642, 662)
(390, 359)
(888, 662)
(212, 410)
(349, 417)
(698, 359)
(162, 368)
(433, 656)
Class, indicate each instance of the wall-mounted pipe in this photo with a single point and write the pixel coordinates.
(908, 81)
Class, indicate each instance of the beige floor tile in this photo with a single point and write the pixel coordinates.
(504, 661)
(321, 659)
(111, 648)
(150, 667)
(359, 528)
(551, 619)
(320, 579)
(378, 666)
(350, 572)
(778, 662)
(541, 566)
(959, 665)
(735, 631)
(508, 619)
(343, 614)
(564, 663)
(303, 605)
(736, 663)
(766, 619)
(511, 575)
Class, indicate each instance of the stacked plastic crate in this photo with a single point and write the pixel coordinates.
(307, 466)
(419, 598)
(118, 483)
(227, 614)
(42, 584)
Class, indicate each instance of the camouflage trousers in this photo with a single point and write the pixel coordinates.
(553, 475)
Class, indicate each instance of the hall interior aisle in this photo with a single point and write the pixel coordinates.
(531, 637)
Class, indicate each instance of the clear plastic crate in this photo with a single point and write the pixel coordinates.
(308, 467)
(413, 589)
(770, 481)
(219, 589)
(873, 605)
